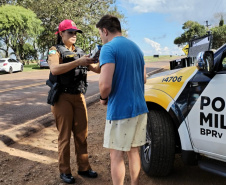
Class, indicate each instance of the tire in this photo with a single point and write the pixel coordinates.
(157, 155)
(10, 70)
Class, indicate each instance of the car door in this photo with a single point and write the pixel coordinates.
(17, 65)
(207, 112)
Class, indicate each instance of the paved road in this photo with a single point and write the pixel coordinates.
(23, 100)
(23, 96)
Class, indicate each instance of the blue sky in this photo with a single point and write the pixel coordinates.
(154, 24)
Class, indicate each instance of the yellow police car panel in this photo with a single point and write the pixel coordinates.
(167, 87)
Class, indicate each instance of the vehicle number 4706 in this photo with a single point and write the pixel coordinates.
(172, 78)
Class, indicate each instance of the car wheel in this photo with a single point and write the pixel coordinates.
(157, 155)
(10, 70)
(21, 69)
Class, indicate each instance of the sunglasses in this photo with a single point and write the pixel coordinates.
(72, 32)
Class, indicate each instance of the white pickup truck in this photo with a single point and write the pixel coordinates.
(187, 115)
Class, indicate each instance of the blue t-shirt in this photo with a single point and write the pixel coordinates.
(126, 99)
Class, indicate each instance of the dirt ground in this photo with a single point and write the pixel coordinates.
(33, 160)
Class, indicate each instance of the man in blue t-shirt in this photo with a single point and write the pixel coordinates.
(121, 84)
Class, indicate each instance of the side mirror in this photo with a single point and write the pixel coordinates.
(205, 61)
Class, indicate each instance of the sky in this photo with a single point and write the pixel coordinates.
(154, 24)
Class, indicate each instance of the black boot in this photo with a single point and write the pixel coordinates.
(89, 173)
(67, 178)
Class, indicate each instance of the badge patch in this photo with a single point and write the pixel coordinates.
(71, 56)
(52, 52)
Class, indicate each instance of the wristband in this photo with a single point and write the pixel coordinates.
(103, 98)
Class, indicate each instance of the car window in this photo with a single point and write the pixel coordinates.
(224, 62)
(10, 60)
(1, 61)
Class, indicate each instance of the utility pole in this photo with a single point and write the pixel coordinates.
(207, 25)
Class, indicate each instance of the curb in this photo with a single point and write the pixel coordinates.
(154, 71)
(92, 99)
(16, 133)
(19, 132)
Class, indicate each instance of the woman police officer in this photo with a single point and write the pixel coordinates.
(68, 66)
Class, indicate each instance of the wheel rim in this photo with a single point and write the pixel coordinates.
(147, 149)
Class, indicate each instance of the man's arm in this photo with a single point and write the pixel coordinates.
(94, 67)
(105, 81)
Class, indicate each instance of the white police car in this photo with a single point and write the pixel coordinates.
(187, 115)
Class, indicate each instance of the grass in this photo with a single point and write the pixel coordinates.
(161, 58)
(31, 67)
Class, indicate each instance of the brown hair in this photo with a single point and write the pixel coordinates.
(109, 22)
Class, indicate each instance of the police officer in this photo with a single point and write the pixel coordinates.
(68, 67)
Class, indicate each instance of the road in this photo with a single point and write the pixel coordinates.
(23, 95)
(23, 107)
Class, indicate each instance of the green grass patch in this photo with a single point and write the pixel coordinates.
(32, 67)
(161, 58)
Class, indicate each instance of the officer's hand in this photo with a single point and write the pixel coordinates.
(85, 61)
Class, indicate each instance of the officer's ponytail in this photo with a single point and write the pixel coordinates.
(59, 39)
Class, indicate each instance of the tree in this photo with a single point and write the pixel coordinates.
(191, 29)
(4, 2)
(29, 52)
(221, 23)
(220, 16)
(219, 36)
(18, 26)
(85, 13)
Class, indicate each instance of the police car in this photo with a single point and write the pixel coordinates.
(187, 115)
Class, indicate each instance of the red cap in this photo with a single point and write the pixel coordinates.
(68, 25)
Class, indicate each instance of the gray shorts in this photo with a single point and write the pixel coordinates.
(126, 133)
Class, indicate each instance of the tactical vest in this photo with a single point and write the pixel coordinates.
(75, 80)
